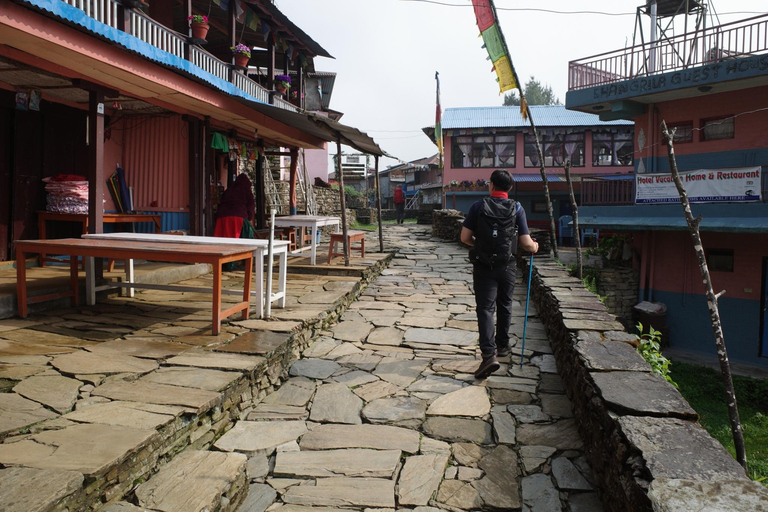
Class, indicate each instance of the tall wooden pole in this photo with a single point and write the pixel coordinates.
(340, 174)
(712, 297)
(292, 181)
(378, 204)
(575, 215)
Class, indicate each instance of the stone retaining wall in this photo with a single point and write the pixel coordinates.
(619, 286)
(446, 224)
(642, 438)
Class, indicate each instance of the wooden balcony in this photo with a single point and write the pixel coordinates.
(607, 191)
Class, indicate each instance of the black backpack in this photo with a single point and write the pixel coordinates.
(496, 233)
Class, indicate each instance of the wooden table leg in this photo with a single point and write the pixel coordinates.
(41, 236)
(90, 280)
(247, 285)
(216, 321)
(74, 266)
(362, 247)
(21, 284)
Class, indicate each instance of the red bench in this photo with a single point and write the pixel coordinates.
(352, 236)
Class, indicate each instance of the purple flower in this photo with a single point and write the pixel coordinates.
(283, 78)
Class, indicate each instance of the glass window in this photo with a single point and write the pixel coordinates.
(555, 148)
(715, 129)
(612, 148)
(719, 260)
(683, 132)
(483, 150)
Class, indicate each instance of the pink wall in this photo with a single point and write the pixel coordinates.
(317, 163)
(750, 130)
(460, 174)
(676, 269)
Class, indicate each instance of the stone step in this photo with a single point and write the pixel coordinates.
(197, 481)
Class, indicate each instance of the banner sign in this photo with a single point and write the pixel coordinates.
(703, 186)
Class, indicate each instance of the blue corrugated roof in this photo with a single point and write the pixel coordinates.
(535, 178)
(509, 117)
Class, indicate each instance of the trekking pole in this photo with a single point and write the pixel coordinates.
(527, 300)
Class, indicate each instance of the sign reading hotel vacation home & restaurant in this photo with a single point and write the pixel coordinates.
(702, 186)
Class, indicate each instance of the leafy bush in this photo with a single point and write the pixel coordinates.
(650, 349)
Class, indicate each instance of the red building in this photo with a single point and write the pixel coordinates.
(715, 100)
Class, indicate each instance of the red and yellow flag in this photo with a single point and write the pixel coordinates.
(438, 117)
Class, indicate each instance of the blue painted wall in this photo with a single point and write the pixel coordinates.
(171, 221)
(690, 327)
(714, 160)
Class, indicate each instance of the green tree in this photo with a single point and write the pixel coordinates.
(535, 94)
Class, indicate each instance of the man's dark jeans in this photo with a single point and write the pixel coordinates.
(400, 211)
(493, 290)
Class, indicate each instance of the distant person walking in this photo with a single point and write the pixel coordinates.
(400, 204)
(492, 228)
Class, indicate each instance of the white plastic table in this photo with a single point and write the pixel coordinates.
(259, 247)
(311, 221)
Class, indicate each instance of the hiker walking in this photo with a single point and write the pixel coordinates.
(400, 204)
(492, 227)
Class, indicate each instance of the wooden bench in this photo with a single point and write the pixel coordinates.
(352, 236)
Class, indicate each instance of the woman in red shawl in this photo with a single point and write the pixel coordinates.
(235, 207)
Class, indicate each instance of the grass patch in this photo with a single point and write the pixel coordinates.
(703, 389)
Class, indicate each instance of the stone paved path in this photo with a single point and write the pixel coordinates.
(383, 412)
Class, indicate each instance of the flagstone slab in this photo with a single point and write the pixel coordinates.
(314, 368)
(351, 331)
(91, 449)
(557, 406)
(528, 413)
(469, 401)
(364, 360)
(325, 297)
(12, 348)
(420, 478)
(499, 488)
(562, 435)
(381, 317)
(335, 403)
(429, 321)
(503, 427)
(395, 410)
(17, 412)
(213, 475)
(511, 383)
(296, 391)
(674, 448)
(436, 384)
(255, 343)
(344, 492)
(621, 390)
(697, 496)
(342, 349)
(391, 336)
(163, 394)
(143, 348)
(57, 392)
(400, 372)
(127, 414)
(540, 494)
(320, 347)
(353, 462)
(205, 339)
(446, 336)
(198, 378)
(356, 378)
(459, 495)
(567, 476)
(216, 360)
(377, 437)
(458, 429)
(376, 306)
(535, 456)
(260, 498)
(249, 436)
(40, 337)
(277, 412)
(21, 372)
(459, 365)
(25, 360)
(610, 355)
(374, 390)
(36, 490)
(269, 325)
(82, 362)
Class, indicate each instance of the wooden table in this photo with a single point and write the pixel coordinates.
(215, 255)
(82, 218)
(311, 221)
(259, 248)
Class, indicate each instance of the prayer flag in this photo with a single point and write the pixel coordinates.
(484, 14)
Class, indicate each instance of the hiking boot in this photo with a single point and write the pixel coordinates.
(503, 351)
(487, 367)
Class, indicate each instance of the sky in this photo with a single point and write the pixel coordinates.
(386, 53)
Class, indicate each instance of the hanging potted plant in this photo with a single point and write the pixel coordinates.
(199, 24)
(241, 53)
(282, 83)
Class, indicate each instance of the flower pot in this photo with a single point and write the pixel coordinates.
(200, 30)
(241, 60)
(281, 88)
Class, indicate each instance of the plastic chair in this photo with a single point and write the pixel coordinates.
(565, 231)
(589, 233)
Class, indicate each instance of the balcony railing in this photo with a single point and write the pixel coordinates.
(601, 191)
(715, 44)
(110, 12)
